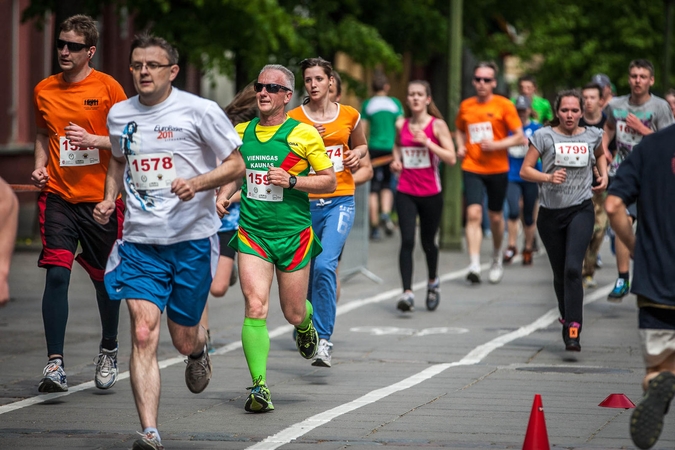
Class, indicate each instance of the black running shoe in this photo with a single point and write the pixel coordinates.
(307, 341)
(406, 302)
(260, 399)
(571, 334)
(646, 422)
(473, 277)
(433, 295)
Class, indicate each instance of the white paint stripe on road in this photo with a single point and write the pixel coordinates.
(347, 307)
(279, 331)
(475, 356)
(355, 304)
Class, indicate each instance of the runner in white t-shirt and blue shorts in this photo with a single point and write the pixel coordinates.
(167, 146)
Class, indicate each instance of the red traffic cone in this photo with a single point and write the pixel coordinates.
(536, 437)
(617, 401)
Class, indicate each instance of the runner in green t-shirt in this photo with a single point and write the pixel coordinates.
(527, 86)
(381, 113)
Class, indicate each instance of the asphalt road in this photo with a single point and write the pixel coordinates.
(462, 377)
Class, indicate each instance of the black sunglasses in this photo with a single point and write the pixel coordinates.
(72, 46)
(152, 66)
(270, 87)
(483, 79)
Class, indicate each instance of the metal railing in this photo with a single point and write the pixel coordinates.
(355, 254)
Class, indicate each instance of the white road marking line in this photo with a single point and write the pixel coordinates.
(279, 331)
(475, 356)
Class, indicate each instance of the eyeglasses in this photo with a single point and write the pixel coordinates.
(72, 46)
(483, 79)
(271, 88)
(152, 66)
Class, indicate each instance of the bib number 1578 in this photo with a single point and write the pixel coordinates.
(152, 170)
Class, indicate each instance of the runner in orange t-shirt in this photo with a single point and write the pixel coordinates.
(483, 126)
(72, 151)
(332, 214)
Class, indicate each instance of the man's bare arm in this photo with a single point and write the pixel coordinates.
(620, 221)
(232, 168)
(114, 181)
(40, 175)
(79, 137)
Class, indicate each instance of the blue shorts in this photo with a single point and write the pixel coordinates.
(176, 277)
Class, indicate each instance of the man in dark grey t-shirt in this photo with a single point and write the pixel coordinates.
(648, 177)
(630, 118)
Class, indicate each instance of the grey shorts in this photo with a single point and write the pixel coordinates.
(657, 346)
(657, 332)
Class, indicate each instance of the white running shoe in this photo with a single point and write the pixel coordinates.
(149, 441)
(496, 271)
(323, 354)
(54, 379)
(106, 368)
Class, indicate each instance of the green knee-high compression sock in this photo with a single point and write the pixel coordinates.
(255, 340)
(308, 317)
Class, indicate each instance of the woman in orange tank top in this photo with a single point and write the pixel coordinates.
(332, 214)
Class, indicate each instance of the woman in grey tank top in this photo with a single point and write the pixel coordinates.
(569, 155)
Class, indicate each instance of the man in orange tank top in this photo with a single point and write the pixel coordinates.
(72, 151)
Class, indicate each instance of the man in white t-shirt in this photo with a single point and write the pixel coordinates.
(167, 146)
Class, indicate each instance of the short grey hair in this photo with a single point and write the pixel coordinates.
(290, 78)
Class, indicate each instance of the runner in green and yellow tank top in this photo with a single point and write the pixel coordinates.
(275, 223)
(275, 233)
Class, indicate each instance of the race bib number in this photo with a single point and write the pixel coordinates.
(415, 157)
(626, 135)
(335, 153)
(152, 170)
(571, 154)
(72, 155)
(518, 151)
(480, 132)
(258, 187)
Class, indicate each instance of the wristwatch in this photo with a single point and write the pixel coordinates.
(291, 181)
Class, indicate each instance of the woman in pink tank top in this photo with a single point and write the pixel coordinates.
(423, 142)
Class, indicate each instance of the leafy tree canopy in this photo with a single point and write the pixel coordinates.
(578, 39)
(250, 33)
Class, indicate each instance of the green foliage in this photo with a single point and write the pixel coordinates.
(420, 27)
(240, 36)
(37, 9)
(578, 39)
